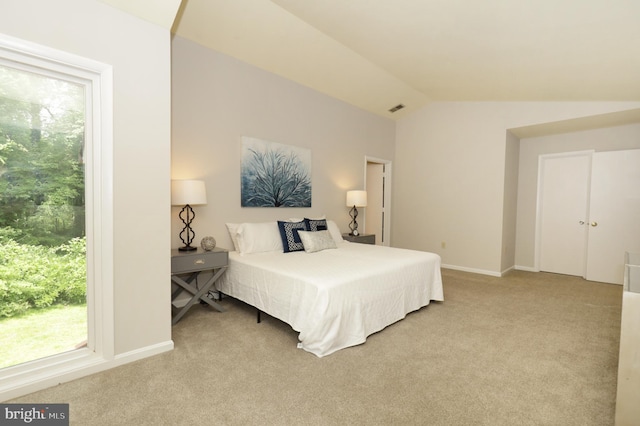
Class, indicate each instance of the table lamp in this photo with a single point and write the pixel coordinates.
(355, 199)
(187, 193)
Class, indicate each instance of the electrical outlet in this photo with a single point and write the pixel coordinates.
(443, 245)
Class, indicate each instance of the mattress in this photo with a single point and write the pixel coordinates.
(335, 298)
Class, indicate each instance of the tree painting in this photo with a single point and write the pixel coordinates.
(275, 175)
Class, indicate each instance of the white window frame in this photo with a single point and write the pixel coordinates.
(99, 353)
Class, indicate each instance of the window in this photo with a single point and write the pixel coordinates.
(90, 83)
(42, 216)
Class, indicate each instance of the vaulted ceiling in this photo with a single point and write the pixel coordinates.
(376, 54)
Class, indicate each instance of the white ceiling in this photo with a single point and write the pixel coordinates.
(376, 54)
(161, 12)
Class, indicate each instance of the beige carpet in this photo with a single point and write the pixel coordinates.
(526, 349)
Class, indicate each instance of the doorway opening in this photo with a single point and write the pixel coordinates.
(378, 187)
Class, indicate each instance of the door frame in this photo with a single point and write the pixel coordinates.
(540, 190)
(387, 194)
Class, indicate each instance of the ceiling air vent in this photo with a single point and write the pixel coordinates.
(396, 108)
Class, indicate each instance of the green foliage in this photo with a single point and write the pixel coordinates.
(42, 218)
(38, 277)
(42, 137)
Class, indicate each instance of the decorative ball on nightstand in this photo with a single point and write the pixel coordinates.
(208, 243)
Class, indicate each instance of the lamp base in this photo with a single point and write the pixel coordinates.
(353, 226)
(187, 215)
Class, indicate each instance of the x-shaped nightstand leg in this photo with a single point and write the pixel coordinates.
(198, 293)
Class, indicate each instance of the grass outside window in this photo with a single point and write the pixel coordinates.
(42, 332)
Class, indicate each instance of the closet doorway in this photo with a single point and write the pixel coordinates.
(588, 205)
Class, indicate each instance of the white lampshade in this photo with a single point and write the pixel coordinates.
(357, 198)
(190, 192)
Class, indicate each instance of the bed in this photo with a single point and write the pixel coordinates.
(334, 293)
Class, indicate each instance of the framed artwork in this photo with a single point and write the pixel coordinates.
(274, 175)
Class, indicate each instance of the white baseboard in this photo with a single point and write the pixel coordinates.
(145, 352)
(475, 271)
(502, 274)
(492, 273)
(41, 374)
(526, 268)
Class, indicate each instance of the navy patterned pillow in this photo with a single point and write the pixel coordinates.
(289, 233)
(316, 224)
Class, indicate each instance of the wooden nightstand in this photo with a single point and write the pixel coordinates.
(362, 239)
(192, 263)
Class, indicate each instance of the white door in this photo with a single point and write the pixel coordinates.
(563, 197)
(375, 201)
(614, 214)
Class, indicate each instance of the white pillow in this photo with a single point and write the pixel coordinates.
(259, 237)
(335, 231)
(314, 241)
(233, 233)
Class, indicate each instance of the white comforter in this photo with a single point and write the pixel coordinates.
(335, 298)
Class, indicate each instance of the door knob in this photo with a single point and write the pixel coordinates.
(594, 224)
(581, 222)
